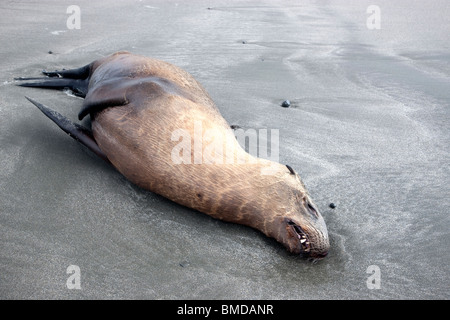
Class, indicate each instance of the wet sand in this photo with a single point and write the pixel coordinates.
(368, 129)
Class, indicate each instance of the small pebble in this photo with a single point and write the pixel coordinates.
(286, 104)
(184, 263)
(332, 205)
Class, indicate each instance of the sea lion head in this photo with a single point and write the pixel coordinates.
(299, 226)
(305, 232)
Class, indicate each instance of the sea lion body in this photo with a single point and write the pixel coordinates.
(137, 136)
(138, 103)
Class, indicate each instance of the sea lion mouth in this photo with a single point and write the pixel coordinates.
(305, 245)
(303, 238)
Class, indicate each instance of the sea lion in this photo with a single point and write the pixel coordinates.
(136, 104)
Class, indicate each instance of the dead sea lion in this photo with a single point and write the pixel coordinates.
(136, 105)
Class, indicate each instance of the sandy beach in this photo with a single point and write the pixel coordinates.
(367, 130)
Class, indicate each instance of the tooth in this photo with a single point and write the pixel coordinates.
(302, 240)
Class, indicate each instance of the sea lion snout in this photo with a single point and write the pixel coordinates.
(298, 224)
(306, 233)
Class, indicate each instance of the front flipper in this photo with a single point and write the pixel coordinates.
(79, 133)
(118, 91)
(109, 93)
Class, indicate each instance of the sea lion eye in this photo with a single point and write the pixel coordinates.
(312, 209)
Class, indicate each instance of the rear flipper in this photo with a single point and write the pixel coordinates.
(79, 133)
(78, 73)
(76, 80)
